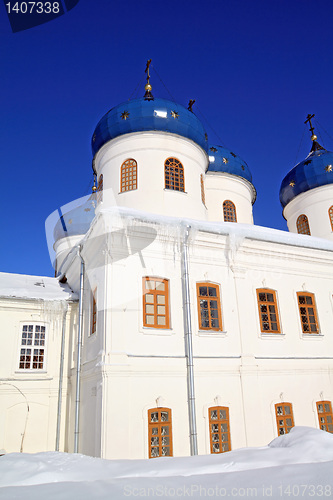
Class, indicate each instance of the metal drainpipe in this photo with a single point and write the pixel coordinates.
(61, 375)
(188, 344)
(78, 362)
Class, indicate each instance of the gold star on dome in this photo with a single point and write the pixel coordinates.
(225, 160)
(94, 138)
(174, 114)
(292, 183)
(124, 115)
(328, 168)
(243, 168)
(206, 137)
(213, 149)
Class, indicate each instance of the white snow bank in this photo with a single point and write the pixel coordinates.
(34, 287)
(299, 464)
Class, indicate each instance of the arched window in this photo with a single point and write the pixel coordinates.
(209, 306)
(303, 225)
(219, 429)
(100, 189)
(155, 302)
(174, 175)
(229, 211)
(268, 311)
(128, 176)
(325, 415)
(203, 198)
(330, 213)
(284, 417)
(159, 432)
(308, 312)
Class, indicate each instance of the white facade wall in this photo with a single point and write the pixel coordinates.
(128, 368)
(150, 150)
(220, 187)
(315, 205)
(29, 398)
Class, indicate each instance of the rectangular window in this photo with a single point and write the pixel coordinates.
(325, 416)
(93, 312)
(209, 307)
(268, 311)
(155, 302)
(307, 312)
(219, 429)
(284, 418)
(160, 432)
(32, 347)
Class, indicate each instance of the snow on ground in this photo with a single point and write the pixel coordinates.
(297, 465)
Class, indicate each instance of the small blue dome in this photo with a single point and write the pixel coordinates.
(76, 221)
(223, 160)
(316, 170)
(141, 115)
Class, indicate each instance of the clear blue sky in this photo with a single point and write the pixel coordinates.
(255, 67)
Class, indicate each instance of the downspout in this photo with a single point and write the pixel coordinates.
(61, 374)
(78, 361)
(188, 344)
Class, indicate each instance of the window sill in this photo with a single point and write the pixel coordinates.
(128, 191)
(312, 335)
(29, 371)
(271, 335)
(212, 333)
(174, 191)
(146, 330)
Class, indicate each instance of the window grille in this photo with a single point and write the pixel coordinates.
(129, 173)
(209, 306)
(160, 432)
(284, 417)
(155, 302)
(229, 211)
(219, 429)
(32, 347)
(174, 175)
(268, 311)
(302, 224)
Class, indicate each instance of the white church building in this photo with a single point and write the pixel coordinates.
(174, 325)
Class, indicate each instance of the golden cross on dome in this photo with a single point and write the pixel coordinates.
(148, 95)
(308, 119)
(147, 70)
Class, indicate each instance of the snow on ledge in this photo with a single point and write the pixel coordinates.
(237, 230)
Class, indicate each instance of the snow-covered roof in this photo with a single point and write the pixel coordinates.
(34, 287)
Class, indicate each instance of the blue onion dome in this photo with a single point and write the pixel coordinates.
(76, 221)
(316, 170)
(222, 159)
(142, 115)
